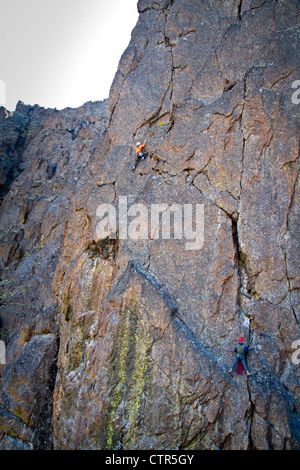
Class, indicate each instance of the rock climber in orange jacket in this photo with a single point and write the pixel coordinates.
(139, 153)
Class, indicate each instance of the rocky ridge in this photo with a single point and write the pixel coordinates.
(123, 343)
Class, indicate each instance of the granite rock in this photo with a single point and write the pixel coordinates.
(138, 333)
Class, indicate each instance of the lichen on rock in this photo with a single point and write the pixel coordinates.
(132, 339)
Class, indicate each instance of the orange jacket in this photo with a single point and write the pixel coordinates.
(139, 148)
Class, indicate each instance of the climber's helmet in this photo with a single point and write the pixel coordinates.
(241, 339)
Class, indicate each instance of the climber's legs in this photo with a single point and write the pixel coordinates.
(236, 360)
(135, 164)
(140, 155)
(243, 359)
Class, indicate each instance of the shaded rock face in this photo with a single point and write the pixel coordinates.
(126, 343)
(34, 216)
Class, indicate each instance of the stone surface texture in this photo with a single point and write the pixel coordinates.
(122, 343)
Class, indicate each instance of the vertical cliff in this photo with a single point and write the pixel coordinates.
(54, 149)
(123, 342)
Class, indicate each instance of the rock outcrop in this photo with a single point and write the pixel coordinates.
(125, 341)
(34, 216)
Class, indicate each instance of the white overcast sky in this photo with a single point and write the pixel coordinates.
(61, 53)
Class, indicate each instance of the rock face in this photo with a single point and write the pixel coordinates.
(125, 341)
(34, 216)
